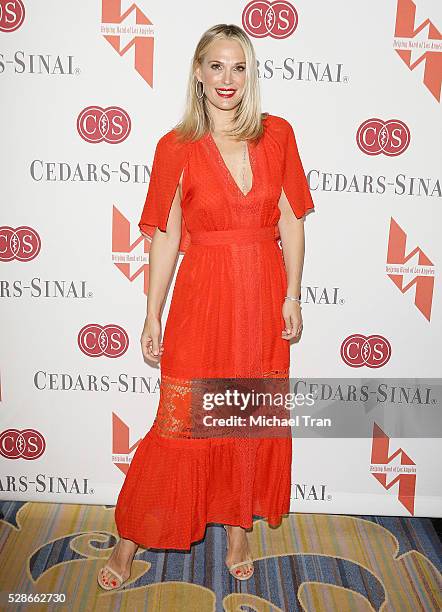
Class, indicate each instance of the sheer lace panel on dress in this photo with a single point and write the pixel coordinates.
(174, 418)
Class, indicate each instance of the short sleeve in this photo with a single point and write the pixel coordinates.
(294, 181)
(169, 160)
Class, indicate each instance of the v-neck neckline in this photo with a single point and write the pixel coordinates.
(223, 164)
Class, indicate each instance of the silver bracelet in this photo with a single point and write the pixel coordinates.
(290, 297)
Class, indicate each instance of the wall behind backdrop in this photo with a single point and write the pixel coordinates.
(87, 89)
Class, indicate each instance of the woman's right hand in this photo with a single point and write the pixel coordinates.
(151, 344)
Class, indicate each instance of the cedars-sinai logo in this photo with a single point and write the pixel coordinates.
(261, 18)
(12, 15)
(97, 124)
(376, 136)
(22, 444)
(372, 351)
(95, 340)
(418, 44)
(21, 244)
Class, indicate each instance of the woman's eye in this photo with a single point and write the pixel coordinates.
(218, 66)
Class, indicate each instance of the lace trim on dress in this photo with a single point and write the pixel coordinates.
(174, 414)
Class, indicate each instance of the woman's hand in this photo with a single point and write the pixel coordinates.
(151, 344)
(291, 312)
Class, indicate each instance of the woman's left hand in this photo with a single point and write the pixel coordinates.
(291, 312)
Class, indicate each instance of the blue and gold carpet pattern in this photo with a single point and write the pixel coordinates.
(311, 562)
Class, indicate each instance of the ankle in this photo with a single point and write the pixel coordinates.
(124, 551)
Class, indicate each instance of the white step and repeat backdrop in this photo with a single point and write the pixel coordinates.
(87, 89)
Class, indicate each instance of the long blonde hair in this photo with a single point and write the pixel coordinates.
(247, 122)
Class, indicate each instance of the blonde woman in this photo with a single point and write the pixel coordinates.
(227, 182)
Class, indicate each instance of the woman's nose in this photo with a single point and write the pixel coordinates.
(227, 76)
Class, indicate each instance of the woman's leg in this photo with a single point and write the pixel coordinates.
(121, 558)
(238, 547)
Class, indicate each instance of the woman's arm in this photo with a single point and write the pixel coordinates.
(162, 257)
(291, 230)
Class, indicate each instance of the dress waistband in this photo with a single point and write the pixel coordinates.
(234, 236)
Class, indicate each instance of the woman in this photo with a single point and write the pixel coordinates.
(226, 183)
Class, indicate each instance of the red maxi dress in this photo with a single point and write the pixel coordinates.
(225, 320)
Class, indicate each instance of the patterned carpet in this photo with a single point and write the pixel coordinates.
(312, 562)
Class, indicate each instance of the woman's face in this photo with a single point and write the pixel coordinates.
(223, 72)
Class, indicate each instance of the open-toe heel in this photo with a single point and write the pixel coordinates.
(114, 582)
